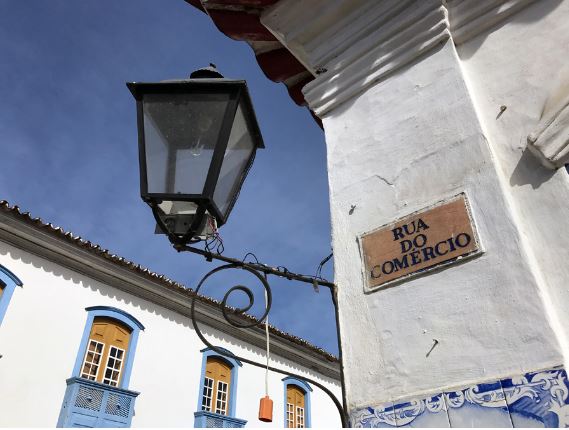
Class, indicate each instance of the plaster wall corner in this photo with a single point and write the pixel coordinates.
(418, 107)
(517, 76)
(402, 145)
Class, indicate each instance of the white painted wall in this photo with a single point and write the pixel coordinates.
(42, 329)
(409, 124)
(523, 65)
(404, 144)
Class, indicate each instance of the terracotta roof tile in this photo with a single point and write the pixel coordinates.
(240, 20)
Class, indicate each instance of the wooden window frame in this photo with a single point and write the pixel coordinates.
(234, 364)
(128, 358)
(289, 417)
(221, 393)
(207, 394)
(87, 361)
(114, 380)
(307, 390)
(215, 392)
(300, 412)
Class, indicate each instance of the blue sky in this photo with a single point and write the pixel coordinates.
(69, 144)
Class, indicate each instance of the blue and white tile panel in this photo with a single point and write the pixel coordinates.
(538, 399)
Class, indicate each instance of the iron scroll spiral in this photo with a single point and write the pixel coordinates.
(235, 323)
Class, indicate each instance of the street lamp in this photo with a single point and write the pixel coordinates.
(197, 139)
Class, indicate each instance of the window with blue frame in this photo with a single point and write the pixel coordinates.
(297, 403)
(217, 394)
(107, 348)
(97, 393)
(8, 283)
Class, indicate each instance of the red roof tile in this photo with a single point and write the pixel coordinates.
(240, 20)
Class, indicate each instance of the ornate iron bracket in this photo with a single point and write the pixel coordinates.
(257, 270)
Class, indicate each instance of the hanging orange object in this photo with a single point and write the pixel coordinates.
(266, 410)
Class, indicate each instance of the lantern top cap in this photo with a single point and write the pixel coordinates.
(209, 72)
(202, 76)
(206, 79)
(138, 89)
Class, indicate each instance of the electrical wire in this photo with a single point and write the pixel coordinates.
(252, 255)
(282, 270)
(214, 240)
(321, 265)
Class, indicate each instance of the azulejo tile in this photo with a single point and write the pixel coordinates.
(380, 416)
(538, 399)
(481, 405)
(426, 412)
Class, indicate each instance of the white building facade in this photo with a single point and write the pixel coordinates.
(88, 339)
(425, 103)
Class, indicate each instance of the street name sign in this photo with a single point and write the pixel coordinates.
(423, 241)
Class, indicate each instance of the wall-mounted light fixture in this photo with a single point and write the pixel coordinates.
(197, 141)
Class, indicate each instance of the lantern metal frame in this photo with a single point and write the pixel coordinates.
(205, 202)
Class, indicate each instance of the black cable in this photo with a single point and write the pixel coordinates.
(252, 255)
(321, 266)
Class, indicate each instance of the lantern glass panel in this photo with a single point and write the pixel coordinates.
(181, 132)
(240, 149)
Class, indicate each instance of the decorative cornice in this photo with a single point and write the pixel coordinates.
(353, 44)
(549, 141)
(469, 18)
(349, 45)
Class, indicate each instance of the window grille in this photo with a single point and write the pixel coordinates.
(299, 417)
(94, 405)
(214, 422)
(114, 365)
(207, 394)
(89, 398)
(92, 360)
(118, 405)
(206, 419)
(290, 415)
(221, 405)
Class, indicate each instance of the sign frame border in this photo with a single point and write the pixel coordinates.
(422, 272)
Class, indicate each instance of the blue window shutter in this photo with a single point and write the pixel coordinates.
(92, 404)
(9, 282)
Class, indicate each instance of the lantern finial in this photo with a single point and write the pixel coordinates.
(209, 72)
